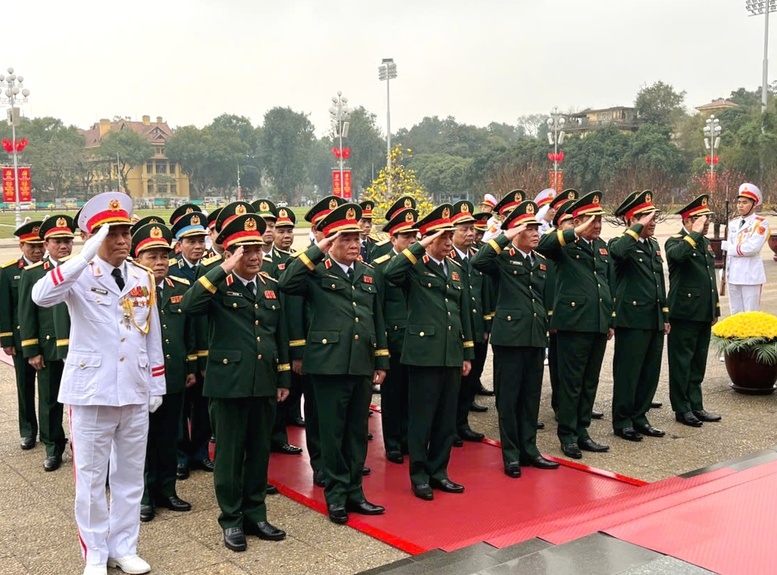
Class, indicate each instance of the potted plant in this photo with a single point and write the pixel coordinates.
(748, 341)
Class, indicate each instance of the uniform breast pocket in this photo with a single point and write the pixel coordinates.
(98, 307)
(175, 308)
(420, 331)
(330, 284)
(431, 282)
(368, 288)
(235, 302)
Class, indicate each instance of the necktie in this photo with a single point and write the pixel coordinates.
(442, 267)
(742, 223)
(252, 287)
(116, 273)
(350, 274)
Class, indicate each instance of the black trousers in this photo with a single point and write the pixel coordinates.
(553, 369)
(470, 384)
(393, 405)
(50, 411)
(195, 425)
(163, 429)
(25, 393)
(312, 437)
(432, 396)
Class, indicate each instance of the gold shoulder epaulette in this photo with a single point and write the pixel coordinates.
(9, 263)
(538, 255)
(296, 254)
(172, 261)
(368, 265)
(450, 259)
(211, 259)
(268, 276)
(678, 236)
(35, 265)
(383, 242)
(551, 231)
(381, 259)
(183, 281)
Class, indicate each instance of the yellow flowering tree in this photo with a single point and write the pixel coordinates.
(403, 183)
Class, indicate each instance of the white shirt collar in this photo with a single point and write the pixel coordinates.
(343, 267)
(245, 281)
(462, 255)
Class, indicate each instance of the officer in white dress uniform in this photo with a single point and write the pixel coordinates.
(544, 201)
(114, 375)
(747, 234)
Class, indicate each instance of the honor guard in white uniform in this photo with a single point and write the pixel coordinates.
(747, 234)
(544, 201)
(114, 375)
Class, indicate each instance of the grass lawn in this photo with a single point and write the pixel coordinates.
(8, 218)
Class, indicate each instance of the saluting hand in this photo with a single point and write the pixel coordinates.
(92, 245)
(512, 233)
(646, 219)
(698, 225)
(325, 244)
(229, 264)
(579, 230)
(427, 240)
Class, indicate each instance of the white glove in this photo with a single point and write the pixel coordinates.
(92, 245)
(154, 402)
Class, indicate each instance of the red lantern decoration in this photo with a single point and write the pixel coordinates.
(345, 153)
(556, 157)
(7, 146)
(17, 145)
(712, 159)
(21, 144)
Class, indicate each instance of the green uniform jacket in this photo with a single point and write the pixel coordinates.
(640, 288)
(520, 318)
(178, 337)
(379, 249)
(693, 289)
(347, 335)
(10, 273)
(293, 306)
(583, 278)
(439, 326)
(201, 322)
(248, 349)
(394, 304)
(44, 330)
(481, 293)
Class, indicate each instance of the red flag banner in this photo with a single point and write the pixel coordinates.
(25, 185)
(556, 180)
(342, 189)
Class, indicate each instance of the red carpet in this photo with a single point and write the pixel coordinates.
(493, 504)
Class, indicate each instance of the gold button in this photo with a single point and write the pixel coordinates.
(449, 313)
(333, 286)
(421, 334)
(256, 306)
(162, 312)
(573, 304)
(633, 303)
(354, 304)
(577, 257)
(353, 287)
(234, 305)
(167, 356)
(356, 319)
(429, 285)
(259, 356)
(225, 361)
(258, 339)
(356, 336)
(98, 300)
(535, 315)
(323, 341)
(164, 325)
(446, 300)
(515, 272)
(82, 364)
(509, 318)
(473, 311)
(167, 341)
(180, 310)
(449, 328)
(48, 337)
(256, 322)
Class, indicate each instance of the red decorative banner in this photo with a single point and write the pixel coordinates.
(712, 181)
(556, 180)
(25, 185)
(19, 145)
(342, 191)
(344, 152)
(712, 159)
(556, 157)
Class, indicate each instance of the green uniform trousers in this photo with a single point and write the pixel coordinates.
(688, 344)
(161, 453)
(518, 375)
(553, 369)
(25, 392)
(195, 432)
(343, 408)
(52, 434)
(243, 426)
(286, 411)
(393, 405)
(432, 420)
(469, 387)
(636, 369)
(312, 437)
(580, 357)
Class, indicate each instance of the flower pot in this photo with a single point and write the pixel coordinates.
(748, 375)
(715, 244)
(773, 245)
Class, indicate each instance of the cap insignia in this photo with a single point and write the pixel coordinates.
(648, 198)
(596, 199)
(571, 195)
(704, 201)
(36, 229)
(114, 204)
(264, 207)
(155, 233)
(195, 221)
(464, 209)
(332, 204)
(408, 202)
(350, 214)
(240, 210)
(61, 222)
(529, 209)
(282, 213)
(446, 213)
(409, 217)
(250, 225)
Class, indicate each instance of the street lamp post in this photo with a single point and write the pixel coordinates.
(756, 8)
(556, 138)
(11, 87)
(388, 71)
(711, 132)
(339, 113)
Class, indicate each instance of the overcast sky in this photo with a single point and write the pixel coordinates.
(479, 61)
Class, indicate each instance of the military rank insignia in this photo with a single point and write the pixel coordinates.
(269, 294)
(176, 299)
(455, 276)
(543, 267)
(603, 251)
(367, 279)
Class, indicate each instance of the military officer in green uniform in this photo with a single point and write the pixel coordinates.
(213, 234)
(150, 248)
(402, 229)
(346, 350)
(178, 213)
(247, 372)
(518, 337)
(641, 319)
(45, 335)
(583, 318)
(438, 348)
(31, 247)
(382, 247)
(693, 310)
(365, 224)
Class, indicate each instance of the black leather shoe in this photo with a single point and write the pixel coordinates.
(540, 462)
(628, 433)
(596, 414)
(484, 391)
(370, 437)
(338, 514)
(458, 441)
(540, 425)
(687, 418)
(366, 471)
(52, 463)
(271, 489)
(286, 449)
(649, 430)
(656, 405)
(395, 456)
(364, 507)
(264, 530)
(703, 415)
(234, 539)
(204, 464)
(27, 443)
(513, 469)
(319, 479)
(174, 503)
(147, 513)
(470, 435)
(446, 485)
(475, 408)
(590, 445)
(182, 472)
(571, 450)
(423, 491)
(298, 422)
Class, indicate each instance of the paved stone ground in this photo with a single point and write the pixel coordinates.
(36, 508)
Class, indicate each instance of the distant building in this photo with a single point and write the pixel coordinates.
(716, 106)
(622, 117)
(158, 178)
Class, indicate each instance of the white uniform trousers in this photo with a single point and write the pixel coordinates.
(744, 297)
(99, 433)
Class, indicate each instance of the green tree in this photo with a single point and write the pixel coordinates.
(660, 103)
(442, 175)
(189, 148)
(284, 149)
(128, 149)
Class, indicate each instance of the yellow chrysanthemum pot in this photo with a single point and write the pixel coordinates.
(749, 345)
